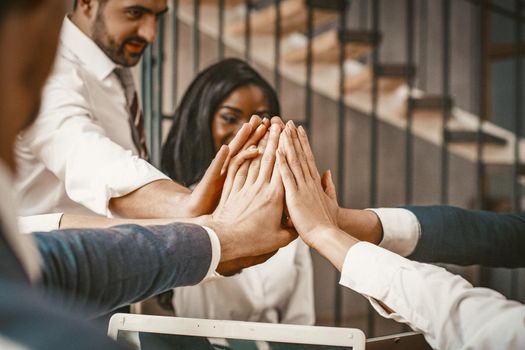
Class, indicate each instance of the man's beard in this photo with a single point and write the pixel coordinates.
(112, 49)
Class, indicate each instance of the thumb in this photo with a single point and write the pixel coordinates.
(214, 171)
(328, 185)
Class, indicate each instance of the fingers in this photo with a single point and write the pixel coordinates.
(256, 136)
(214, 171)
(240, 177)
(237, 143)
(276, 181)
(255, 165)
(268, 158)
(235, 164)
(310, 159)
(266, 122)
(328, 185)
(279, 121)
(299, 149)
(287, 176)
(255, 121)
(242, 138)
(292, 159)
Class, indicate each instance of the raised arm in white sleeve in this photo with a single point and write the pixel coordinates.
(448, 310)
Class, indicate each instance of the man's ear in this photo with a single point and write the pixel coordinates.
(87, 7)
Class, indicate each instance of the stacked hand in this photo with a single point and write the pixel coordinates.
(205, 197)
(256, 181)
(248, 217)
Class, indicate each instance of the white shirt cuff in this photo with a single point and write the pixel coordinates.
(39, 223)
(215, 256)
(401, 230)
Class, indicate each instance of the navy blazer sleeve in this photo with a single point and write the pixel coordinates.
(101, 270)
(458, 236)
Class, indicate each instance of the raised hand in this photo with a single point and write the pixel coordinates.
(248, 217)
(305, 197)
(313, 217)
(205, 197)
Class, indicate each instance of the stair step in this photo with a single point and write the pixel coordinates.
(326, 46)
(461, 136)
(431, 103)
(294, 18)
(390, 77)
(334, 5)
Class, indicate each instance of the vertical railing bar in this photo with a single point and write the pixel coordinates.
(309, 69)
(483, 272)
(363, 13)
(196, 36)
(446, 92)
(423, 45)
(175, 54)
(277, 41)
(341, 154)
(147, 86)
(158, 87)
(374, 138)
(409, 116)
(518, 90)
(220, 42)
(482, 106)
(248, 31)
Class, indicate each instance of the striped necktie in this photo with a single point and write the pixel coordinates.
(136, 120)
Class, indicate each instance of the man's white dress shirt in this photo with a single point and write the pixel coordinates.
(79, 153)
(278, 291)
(448, 310)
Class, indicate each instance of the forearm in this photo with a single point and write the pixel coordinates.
(158, 199)
(433, 301)
(69, 221)
(106, 269)
(458, 236)
(361, 224)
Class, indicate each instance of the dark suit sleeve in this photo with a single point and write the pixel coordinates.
(35, 322)
(101, 270)
(458, 236)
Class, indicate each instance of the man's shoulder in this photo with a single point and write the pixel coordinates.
(68, 72)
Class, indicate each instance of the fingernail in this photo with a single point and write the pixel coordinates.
(293, 124)
(275, 128)
(302, 131)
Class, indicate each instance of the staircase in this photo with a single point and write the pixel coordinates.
(394, 96)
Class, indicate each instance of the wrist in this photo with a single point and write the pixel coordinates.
(226, 240)
(361, 224)
(333, 244)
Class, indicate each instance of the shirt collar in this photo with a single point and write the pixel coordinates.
(22, 245)
(85, 49)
